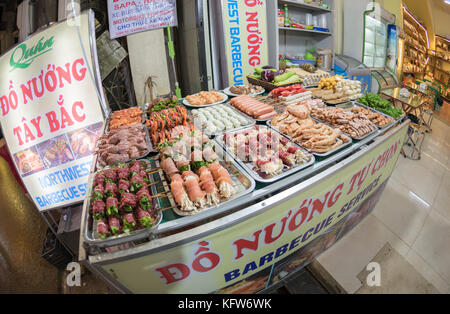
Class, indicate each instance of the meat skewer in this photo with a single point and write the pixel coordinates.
(222, 179)
(179, 193)
(208, 185)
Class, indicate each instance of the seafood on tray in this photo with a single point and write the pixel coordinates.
(128, 116)
(219, 118)
(161, 122)
(205, 98)
(297, 123)
(121, 201)
(355, 124)
(269, 152)
(197, 179)
(122, 144)
(253, 107)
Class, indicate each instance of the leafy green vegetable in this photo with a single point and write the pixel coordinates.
(376, 102)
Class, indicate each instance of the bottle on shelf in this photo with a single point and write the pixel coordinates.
(286, 16)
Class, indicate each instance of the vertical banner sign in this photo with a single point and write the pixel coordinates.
(245, 31)
(127, 16)
(391, 56)
(50, 113)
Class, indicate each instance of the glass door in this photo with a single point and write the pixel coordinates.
(375, 40)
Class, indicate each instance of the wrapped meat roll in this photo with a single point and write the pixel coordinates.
(98, 192)
(127, 202)
(110, 175)
(99, 178)
(102, 228)
(124, 186)
(144, 218)
(112, 207)
(98, 209)
(114, 225)
(129, 223)
(135, 166)
(144, 198)
(209, 154)
(179, 193)
(110, 189)
(136, 183)
(169, 167)
(123, 173)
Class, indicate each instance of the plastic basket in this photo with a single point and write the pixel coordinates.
(267, 85)
(54, 252)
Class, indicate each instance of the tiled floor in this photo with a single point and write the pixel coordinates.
(413, 215)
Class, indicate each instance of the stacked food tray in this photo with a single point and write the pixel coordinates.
(274, 156)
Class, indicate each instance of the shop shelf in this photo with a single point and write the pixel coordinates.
(306, 6)
(304, 30)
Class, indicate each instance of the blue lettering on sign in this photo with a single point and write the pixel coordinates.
(65, 175)
(236, 51)
(271, 257)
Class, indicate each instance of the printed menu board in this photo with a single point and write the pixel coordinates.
(50, 112)
(127, 17)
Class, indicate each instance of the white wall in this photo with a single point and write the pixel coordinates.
(147, 52)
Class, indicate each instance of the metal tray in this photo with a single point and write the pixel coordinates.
(387, 126)
(243, 183)
(249, 166)
(396, 120)
(149, 150)
(90, 236)
(252, 121)
(355, 138)
(332, 151)
(374, 110)
(187, 104)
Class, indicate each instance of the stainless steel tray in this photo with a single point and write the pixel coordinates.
(249, 166)
(90, 234)
(355, 138)
(396, 120)
(387, 126)
(149, 150)
(380, 112)
(243, 183)
(252, 121)
(332, 151)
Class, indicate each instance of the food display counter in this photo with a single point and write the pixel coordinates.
(255, 239)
